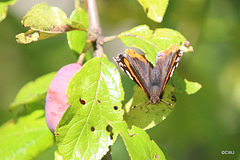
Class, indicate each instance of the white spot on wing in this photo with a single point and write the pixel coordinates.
(129, 75)
(174, 67)
(180, 53)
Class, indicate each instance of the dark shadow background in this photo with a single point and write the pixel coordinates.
(202, 125)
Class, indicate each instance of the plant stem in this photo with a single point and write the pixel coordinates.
(94, 25)
(95, 30)
(77, 3)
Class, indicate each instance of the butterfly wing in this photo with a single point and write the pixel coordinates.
(166, 62)
(136, 67)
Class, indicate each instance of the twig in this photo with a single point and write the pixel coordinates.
(94, 25)
(95, 30)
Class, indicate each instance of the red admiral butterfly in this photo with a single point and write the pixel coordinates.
(151, 79)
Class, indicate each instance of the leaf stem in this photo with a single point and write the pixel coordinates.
(109, 38)
(81, 58)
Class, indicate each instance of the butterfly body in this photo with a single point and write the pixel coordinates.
(151, 79)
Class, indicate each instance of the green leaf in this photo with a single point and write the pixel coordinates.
(77, 39)
(155, 8)
(95, 94)
(32, 36)
(33, 91)
(138, 143)
(57, 156)
(141, 113)
(26, 138)
(46, 21)
(4, 7)
(185, 86)
(192, 87)
(151, 42)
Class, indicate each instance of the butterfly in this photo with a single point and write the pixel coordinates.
(151, 79)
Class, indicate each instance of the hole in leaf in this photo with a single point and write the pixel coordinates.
(92, 129)
(111, 135)
(98, 101)
(57, 134)
(131, 135)
(109, 129)
(115, 107)
(83, 102)
(59, 126)
(156, 156)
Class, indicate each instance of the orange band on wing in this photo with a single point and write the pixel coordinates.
(169, 73)
(132, 54)
(172, 48)
(131, 72)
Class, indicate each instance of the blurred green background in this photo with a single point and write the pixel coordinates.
(202, 125)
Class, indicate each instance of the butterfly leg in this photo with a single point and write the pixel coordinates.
(142, 105)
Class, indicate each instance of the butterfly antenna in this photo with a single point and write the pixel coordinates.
(168, 104)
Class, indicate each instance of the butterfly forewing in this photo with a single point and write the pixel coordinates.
(136, 67)
(167, 62)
